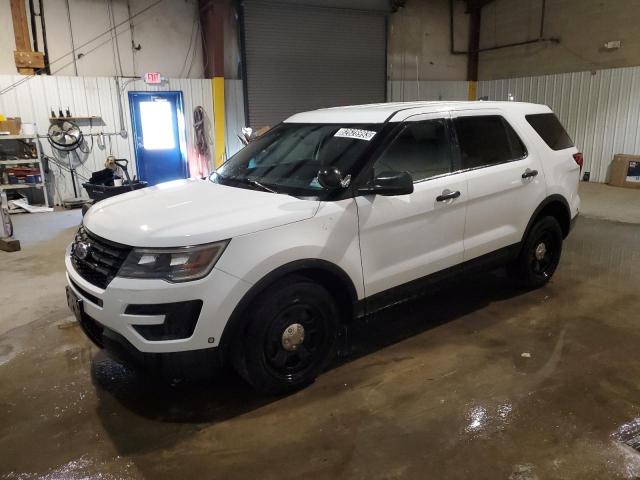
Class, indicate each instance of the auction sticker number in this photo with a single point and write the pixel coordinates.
(355, 133)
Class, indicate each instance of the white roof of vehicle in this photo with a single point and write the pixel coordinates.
(398, 111)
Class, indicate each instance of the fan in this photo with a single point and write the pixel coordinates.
(66, 136)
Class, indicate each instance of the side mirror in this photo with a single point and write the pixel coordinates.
(331, 178)
(389, 184)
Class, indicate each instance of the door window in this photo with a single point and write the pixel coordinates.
(421, 148)
(487, 140)
(157, 125)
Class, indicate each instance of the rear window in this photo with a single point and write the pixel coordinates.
(551, 130)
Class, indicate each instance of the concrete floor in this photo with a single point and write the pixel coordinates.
(610, 203)
(476, 380)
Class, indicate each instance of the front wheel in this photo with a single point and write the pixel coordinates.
(289, 336)
(540, 254)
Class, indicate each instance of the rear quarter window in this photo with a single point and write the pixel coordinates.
(550, 130)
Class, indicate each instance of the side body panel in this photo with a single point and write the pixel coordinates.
(500, 201)
(407, 237)
(561, 171)
(331, 235)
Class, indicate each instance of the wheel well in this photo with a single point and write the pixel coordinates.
(330, 276)
(338, 288)
(557, 209)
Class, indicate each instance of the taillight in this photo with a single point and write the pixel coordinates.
(579, 159)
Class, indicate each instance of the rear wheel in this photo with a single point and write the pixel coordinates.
(289, 336)
(540, 254)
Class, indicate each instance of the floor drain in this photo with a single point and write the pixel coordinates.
(629, 434)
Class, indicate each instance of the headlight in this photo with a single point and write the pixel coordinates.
(172, 264)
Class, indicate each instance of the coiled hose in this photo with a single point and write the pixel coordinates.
(200, 167)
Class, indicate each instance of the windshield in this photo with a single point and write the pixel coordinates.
(287, 158)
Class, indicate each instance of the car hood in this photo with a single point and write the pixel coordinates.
(191, 212)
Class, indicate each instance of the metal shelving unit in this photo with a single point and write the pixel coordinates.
(23, 161)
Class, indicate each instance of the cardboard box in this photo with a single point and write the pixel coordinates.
(625, 171)
(11, 125)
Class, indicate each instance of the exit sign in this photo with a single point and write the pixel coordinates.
(153, 78)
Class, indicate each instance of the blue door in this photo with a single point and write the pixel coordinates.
(159, 136)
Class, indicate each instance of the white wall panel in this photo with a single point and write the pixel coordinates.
(33, 100)
(599, 109)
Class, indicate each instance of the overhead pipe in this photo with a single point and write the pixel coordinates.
(34, 32)
(45, 46)
(34, 35)
(73, 47)
(540, 38)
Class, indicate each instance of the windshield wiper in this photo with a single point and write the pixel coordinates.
(250, 181)
(258, 184)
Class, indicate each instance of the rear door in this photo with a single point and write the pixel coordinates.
(406, 237)
(505, 179)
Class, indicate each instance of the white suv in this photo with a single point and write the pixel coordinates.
(330, 215)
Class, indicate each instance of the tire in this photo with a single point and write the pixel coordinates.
(272, 353)
(540, 254)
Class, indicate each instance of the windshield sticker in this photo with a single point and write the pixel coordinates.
(355, 133)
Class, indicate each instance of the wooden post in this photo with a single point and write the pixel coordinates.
(26, 59)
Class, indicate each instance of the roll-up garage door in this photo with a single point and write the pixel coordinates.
(301, 57)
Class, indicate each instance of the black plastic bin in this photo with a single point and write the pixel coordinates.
(100, 192)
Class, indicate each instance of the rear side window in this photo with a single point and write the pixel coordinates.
(550, 130)
(487, 140)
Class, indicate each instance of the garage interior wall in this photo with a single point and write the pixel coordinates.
(594, 90)
(303, 57)
(165, 38)
(583, 27)
(419, 43)
(33, 100)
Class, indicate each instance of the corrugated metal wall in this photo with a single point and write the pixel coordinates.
(34, 99)
(600, 109)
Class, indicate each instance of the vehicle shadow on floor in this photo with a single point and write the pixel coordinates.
(142, 413)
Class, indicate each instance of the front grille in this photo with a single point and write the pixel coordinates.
(97, 260)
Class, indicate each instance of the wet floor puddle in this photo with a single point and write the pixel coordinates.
(629, 434)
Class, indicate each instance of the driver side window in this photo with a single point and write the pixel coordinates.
(421, 148)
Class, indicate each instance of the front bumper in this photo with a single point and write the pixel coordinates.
(174, 364)
(219, 293)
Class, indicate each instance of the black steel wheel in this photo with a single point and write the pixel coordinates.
(289, 336)
(540, 254)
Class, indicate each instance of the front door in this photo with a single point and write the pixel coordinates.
(159, 136)
(406, 237)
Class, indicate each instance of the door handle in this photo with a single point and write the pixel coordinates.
(447, 195)
(528, 173)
